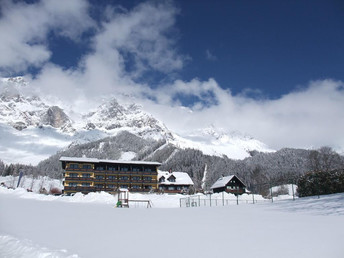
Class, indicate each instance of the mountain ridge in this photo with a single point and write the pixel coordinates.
(29, 114)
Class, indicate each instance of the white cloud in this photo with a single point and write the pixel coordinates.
(24, 29)
(209, 56)
(311, 117)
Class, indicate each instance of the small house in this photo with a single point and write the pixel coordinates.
(174, 182)
(229, 184)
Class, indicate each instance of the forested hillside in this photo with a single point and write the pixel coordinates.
(283, 166)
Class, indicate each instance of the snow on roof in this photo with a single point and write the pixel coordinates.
(222, 181)
(182, 178)
(93, 160)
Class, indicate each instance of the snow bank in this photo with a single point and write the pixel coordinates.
(13, 247)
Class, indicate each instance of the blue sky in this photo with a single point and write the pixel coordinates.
(270, 46)
(269, 69)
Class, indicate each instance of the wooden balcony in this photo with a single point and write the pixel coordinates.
(80, 170)
(71, 178)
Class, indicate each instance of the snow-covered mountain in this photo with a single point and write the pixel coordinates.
(33, 128)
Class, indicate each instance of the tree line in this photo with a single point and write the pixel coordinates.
(260, 169)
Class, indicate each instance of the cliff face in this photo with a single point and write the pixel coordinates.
(55, 117)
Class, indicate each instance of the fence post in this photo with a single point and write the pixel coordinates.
(272, 198)
(292, 187)
(210, 199)
(199, 201)
(223, 199)
(253, 197)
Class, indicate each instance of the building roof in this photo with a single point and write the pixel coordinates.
(93, 160)
(223, 181)
(182, 178)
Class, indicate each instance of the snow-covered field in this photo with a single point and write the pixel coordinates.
(33, 225)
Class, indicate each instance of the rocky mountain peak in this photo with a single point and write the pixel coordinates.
(55, 117)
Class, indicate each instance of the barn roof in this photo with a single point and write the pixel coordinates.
(223, 181)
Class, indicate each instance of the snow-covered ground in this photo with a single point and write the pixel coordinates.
(33, 225)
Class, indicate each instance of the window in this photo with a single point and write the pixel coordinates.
(85, 184)
(172, 179)
(86, 175)
(148, 170)
(73, 184)
(110, 186)
(98, 186)
(124, 178)
(86, 166)
(162, 179)
(112, 177)
(73, 166)
(99, 177)
(112, 168)
(147, 178)
(171, 188)
(124, 168)
(147, 187)
(136, 187)
(100, 168)
(136, 169)
(124, 186)
(73, 174)
(135, 178)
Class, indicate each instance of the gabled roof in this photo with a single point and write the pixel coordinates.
(171, 176)
(182, 178)
(92, 160)
(223, 181)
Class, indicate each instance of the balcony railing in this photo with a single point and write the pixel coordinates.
(72, 178)
(80, 169)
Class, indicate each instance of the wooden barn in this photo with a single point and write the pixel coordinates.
(229, 184)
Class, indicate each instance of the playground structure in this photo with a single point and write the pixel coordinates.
(123, 200)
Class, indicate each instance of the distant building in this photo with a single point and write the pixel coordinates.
(90, 175)
(229, 184)
(174, 182)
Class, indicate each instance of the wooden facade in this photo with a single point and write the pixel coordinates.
(230, 184)
(87, 175)
(174, 182)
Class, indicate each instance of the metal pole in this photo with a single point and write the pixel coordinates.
(20, 177)
(223, 200)
(272, 198)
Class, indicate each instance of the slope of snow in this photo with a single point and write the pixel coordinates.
(217, 141)
(285, 229)
(31, 145)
